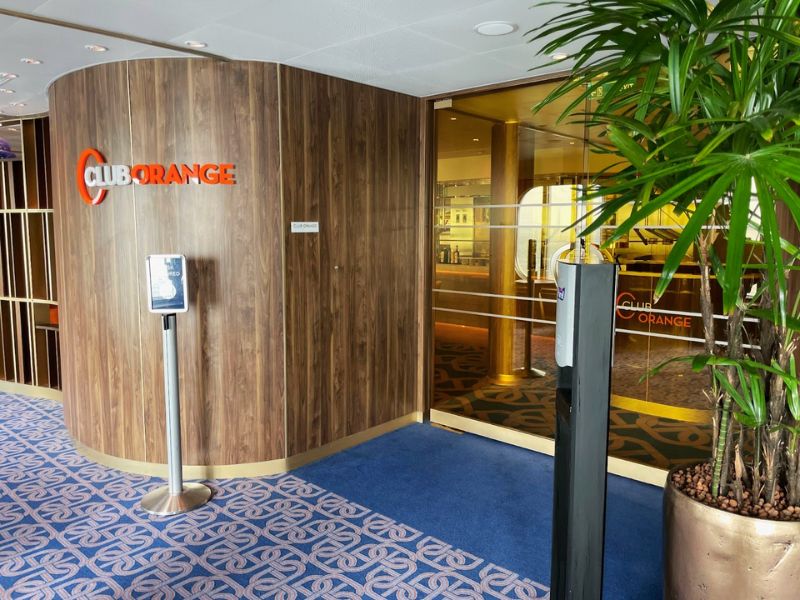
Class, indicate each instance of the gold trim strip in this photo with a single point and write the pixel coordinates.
(34, 391)
(254, 469)
(543, 445)
(656, 409)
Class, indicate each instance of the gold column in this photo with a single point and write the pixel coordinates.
(505, 171)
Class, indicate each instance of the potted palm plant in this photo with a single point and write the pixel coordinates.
(701, 103)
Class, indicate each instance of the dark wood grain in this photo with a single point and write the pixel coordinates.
(323, 149)
(230, 342)
(350, 161)
(232, 338)
(96, 264)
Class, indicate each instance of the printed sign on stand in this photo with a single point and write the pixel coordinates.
(166, 283)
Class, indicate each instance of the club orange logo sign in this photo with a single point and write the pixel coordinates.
(629, 307)
(100, 176)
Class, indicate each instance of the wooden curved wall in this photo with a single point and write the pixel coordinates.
(255, 289)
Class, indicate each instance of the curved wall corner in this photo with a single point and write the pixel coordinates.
(231, 342)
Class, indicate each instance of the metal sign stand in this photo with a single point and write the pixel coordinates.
(175, 497)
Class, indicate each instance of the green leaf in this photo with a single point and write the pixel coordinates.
(737, 233)
(630, 149)
(675, 79)
(700, 218)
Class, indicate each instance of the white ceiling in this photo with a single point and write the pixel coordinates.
(420, 47)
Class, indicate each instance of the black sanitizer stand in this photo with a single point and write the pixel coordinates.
(584, 348)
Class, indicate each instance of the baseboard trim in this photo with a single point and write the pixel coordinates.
(34, 391)
(543, 445)
(254, 469)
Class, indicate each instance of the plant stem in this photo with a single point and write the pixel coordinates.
(724, 443)
(720, 448)
(739, 468)
(793, 474)
(724, 480)
(757, 464)
(706, 306)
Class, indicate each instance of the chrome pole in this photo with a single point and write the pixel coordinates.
(173, 410)
(175, 497)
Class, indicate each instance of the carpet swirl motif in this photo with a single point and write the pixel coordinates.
(461, 387)
(70, 528)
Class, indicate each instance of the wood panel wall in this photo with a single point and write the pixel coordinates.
(231, 340)
(96, 266)
(343, 303)
(351, 162)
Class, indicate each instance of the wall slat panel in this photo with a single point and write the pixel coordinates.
(231, 348)
(350, 161)
(324, 149)
(96, 265)
(231, 339)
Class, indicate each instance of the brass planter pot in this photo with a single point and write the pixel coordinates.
(710, 554)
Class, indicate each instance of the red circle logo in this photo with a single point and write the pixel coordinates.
(620, 308)
(80, 176)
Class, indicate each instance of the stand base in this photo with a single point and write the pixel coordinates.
(159, 501)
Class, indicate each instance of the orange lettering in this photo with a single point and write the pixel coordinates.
(225, 176)
(208, 174)
(156, 174)
(139, 173)
(190, 173)
(173, 175)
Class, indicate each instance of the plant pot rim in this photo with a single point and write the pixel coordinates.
(758, 522)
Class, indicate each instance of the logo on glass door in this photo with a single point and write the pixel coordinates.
(629, 307)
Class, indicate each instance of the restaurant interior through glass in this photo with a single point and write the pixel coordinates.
(509, 183)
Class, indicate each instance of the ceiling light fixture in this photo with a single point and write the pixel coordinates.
(195, 44)
(8, 75)
(558, 56)
(476, 139)
(495, 28)
(6, 91)
(96, 48)
(30, 61)
(453, 118)
(18, 104)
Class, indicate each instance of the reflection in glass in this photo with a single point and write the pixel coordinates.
(660, 420)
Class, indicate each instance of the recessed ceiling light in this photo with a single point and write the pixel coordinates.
(18, 104)
(453, 118)
(572, 143)
(6, 91)
(495, 28)
(195, 44)
(558, 56)
(8, 75)
(96, 48)
(476, 139)
(13, 129)
(30, 61)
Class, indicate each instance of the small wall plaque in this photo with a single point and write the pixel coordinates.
(305, 226)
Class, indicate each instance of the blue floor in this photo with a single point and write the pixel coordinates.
(418, 513)
(495, 501)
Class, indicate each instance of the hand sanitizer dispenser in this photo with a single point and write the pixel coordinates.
(584, 346)
(565, 312)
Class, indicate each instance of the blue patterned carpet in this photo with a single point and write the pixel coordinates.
(72, 529)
